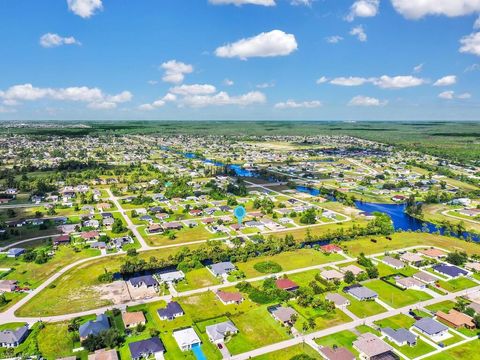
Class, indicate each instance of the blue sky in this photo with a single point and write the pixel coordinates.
(240, 59)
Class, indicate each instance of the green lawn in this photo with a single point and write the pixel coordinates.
(290, 352)
(396, 322)
(421, 348)
(341, 339)
(460, 283)
(196, 279)
(257, 328)
(394, 296)
(322, 318)
(465, 351)
(363, 308)
(55, 341)
(290, 260)
(444, 306)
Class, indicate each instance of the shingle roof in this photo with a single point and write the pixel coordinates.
(430, 326)
(362, 292)
(400, 335)
(450, 270)
(146, 347)
(220, 330)
(94, 327)
(222, 268)
(173, 308)
(13, 336)
(148, 280)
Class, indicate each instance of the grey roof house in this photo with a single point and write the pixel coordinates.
(172, 311)
(400, 337)
(430, 327)
(360, 292)
(12, 338)
(94, 327)
(218, 332)
(146, 348)
(222, 268)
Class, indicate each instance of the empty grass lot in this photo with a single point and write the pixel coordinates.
(363, 309)
(289, 353)
(340, 339)
(394, 296)
(196, 279)
(290, 260)
(322, 318)
(465, 351)
(460, 283)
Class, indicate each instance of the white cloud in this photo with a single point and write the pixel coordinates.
(366, 101)
(476, 25)
(416, 9)
(243, 2)
(152, 82)
(93, 96)
(349, 81)
(6, 110)
(473, 67)
(292, 104)
(334, 39)
(84, 8)
(195, 89)
(228, 82)
(359, 32)
(446, 81)
(322, 80)
(146, 107)
(418, 69)
(301, 2)
(397, 82)
(446, 95)
(50, 40)
(158, 103)
(266, 44)
(104, 105)
(222, 98)
(363, 8)
(175, 71)
(450, 95)
(471, 44)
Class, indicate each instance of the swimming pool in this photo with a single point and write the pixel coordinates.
(197, 351)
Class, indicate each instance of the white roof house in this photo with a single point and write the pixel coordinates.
(186, 338)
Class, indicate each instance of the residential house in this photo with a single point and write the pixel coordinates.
(360, 292)
(456, 319)
(431, 328)
(61, 240)
(171, 311)
(144, 349)
(332, 275)
(411, 258)
(336, 353)
(400, 336)
(433, 253)
(370, 346)
(286, 284)
(392, 262)
(338, 300)
(355, 270)
(473, 266)
(186, 338)
(145, 280)
(174, 225)
(283, 314)
(103, 354)
(15, 252)
(409, 283)
(222, 268)
(8, 285)
(94, 327)
(171, 277)
(133, 319)
(218, 332)
(451, 271)
(12, 338)
(227, 297)
(425, 277)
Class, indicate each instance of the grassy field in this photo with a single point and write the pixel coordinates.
(290, 352)
(396, 322)
(73, 291)
(407, 239)
(341, 339)
(290, 260)
(465, 351)
(363, 309)
(196, 279)
(395, 297)
(54, 340)
(460, 283)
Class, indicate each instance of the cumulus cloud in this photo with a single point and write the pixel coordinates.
(348, 81)
(266, 44)
(222, 98)
(228, 82)
(359, 32)
(471, 44)
(292, 104)
(384, 82)
(50, 40)
(84, 8)
(363, 8)
(175, 71)
(417, 9)
(397, 82)
(446, 81)
(301, 2)
(243, 2)
(450, 95)
(418, 69)
(476, 25)
(94, 97)
(334, 39)
(195, 89)
(366, 101)
(158, 103)
(266, 85)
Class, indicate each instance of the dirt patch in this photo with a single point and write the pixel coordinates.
(116, 292)
(141, 293)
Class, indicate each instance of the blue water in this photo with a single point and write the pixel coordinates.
(401, 220)
(197, 351)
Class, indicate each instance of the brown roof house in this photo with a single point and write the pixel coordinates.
(227, 297)
(133, 319)
(372, 347)
(338, 353)
(456, 319)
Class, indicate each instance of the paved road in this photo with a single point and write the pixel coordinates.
(27, 240)
(131, 226)
(295, 341)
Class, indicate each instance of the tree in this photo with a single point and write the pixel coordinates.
(372, 272)
(349, 277)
